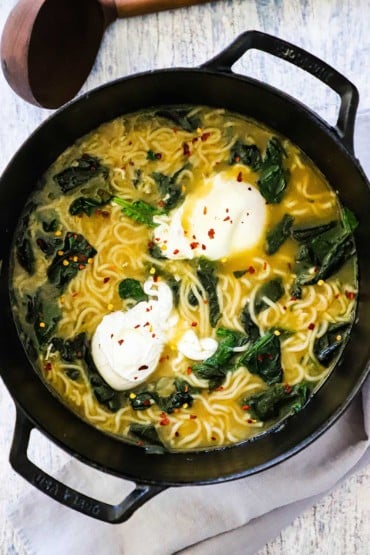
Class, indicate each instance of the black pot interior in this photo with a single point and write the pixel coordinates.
(278, 112)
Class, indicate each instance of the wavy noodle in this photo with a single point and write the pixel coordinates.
(215, 418)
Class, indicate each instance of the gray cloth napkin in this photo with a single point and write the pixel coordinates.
(238, 517)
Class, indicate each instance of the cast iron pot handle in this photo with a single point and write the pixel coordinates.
(295, 55)
(114, 514)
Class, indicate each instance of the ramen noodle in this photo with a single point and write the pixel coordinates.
(184, 277)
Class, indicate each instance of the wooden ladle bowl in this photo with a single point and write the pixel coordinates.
(48, 47)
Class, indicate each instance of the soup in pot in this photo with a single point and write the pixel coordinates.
(184, 277)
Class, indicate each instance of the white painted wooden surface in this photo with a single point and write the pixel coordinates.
(337, 31)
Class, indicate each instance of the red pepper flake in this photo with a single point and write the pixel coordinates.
(311, 326)
(264, 265)
(155, 278)
(129, 143)
(186, 149)
(104, 213)
(158, 155)
(213, 438)
(259, 358)
(270, 356)
(131, 163)
(192, 416)
(350, 295)
(106, 279)
(246, 407)
(284, 308)
(74, 294)
(120, 341)
(250, 420)
(194, 245)
(194, 237)
(111, 335)
(251, 270)
(205, 136)
(137, 326)
(293, 298)
(203, 247)
(211, 233)
(194, 324)
(239, 177)
(147, 403)
(143, 367)
(153, 335)
(194, 140)
(287, 388)
(205, 210)
(174, 129)
(336, 296)
(176, 251)
(162, 359)
(226, 219)
(219, 388)
(236, 158)
(161, 205)
(164, 422)
(189, 370)
(146, 324)
(227, 210)
(289, 266)
(47, 366)
(81, 266)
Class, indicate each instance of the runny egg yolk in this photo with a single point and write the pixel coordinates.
(222, 219)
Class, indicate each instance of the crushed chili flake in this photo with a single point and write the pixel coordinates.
(186, 149)
(194, 324)
(226, 219)
(284, 308)
(213, 438)
(350, 295)
(194, 245)
(203, 247)
(236, 158)
(336, 296)
(311, 326)
(47, 366)
(176, 251)
(137, 326)
(246, 407)
(259, 358)
(192, 416)
(164, 422)
(264, 265)
(189, 370)
(194, 140)
(293, 298)
(155, 278)
(153, 335)
(147, 403)
(106, 279)
(205, 136)
(211, 233)
(219, 388)
(289, 266)
(158, 155)
(120, 341)
(143, 367)
(287, 388)
(239, 177)
(146, 324)
(250, 420)
(161, 205)
(205, 210)
(75, 294)
(81, 266)
(251, 270)
(177, 434)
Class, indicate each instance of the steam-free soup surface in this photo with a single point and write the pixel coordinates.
(184, 277)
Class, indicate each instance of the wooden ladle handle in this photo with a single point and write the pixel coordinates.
(128, 8)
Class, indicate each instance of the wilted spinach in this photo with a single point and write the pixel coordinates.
(274, 177)
(104, 394)
(327, 346)
(206, 272)
(273, 290)
(88, 205)
(145, 433)
(278, 400)
(181, 118)
(176, 400)
(23, 243)
(264, 359)
(130, 288)
(168, 187)
(82, 170)
(70, 349)
(279, 234)
(43, 313)
(249, 155)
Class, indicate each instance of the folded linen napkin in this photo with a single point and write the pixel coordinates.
(238, 517)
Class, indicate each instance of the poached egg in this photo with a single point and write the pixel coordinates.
(222, 218)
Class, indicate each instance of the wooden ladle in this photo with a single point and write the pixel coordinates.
(48, 47)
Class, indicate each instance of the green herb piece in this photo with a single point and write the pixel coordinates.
(277, 401)
(168, 187)
(76, 253)
(50, 226)
(274, 178)
(264, 359)
(273, 290)
(279, 234)
(139, 210)
(70, 349)
(42, 309)
(306, 234)
(156, 252)
(104, 394)
(180, 397)
(192, 298)
(88, 205)
(206, 273)
(72, 373)
(349, 220)
(48, 245)
(83, 169)
(239, 273)
(181, 118)
(145, 433)
(215, 368)
(130, 288)
(328, 345)
(249, 155)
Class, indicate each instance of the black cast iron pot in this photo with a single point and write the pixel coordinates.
(331, 149)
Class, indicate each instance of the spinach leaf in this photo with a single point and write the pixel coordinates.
(156, 252)
(70, 349)
(168, 187)
(49, 245)
(274, 178)
(180, 397)
(76, 253)
(153, 156)
(145, 433)
(349, 220)
(171, 281)
(278, 400)
(88, 205)
(139, 210)
(239, 273)
(104, 394)
(130, 288)
(249, 155)
(72, 373)
(181, 118)
(326, 347)
(82, 170)
(206, 273)
(215, 368)
(264, 359)
(43, 313)
(279, 234)
(306, 234)
(23, 244)
(273, 290)
(51, 225)
(137, 177)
